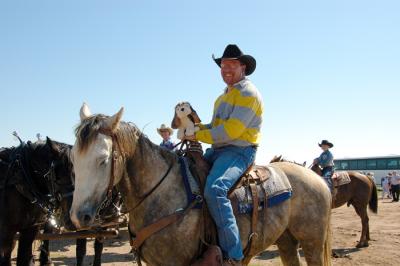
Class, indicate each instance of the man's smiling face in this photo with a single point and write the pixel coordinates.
(232, 71)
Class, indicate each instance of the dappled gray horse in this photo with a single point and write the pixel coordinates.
(108, 153)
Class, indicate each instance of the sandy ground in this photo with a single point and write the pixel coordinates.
(384, 248)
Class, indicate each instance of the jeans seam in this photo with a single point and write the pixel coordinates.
(219, 209)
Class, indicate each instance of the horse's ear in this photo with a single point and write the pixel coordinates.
(112, 122)
(52, 145)
(195, 117)
(176, 122)
(85, 112)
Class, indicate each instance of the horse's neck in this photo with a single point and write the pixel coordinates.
(144, 171)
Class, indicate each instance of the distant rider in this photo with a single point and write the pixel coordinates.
(325, 160)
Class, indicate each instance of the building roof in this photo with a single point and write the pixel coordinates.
(372, 157)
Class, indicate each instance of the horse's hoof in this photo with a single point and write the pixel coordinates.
(362, 245)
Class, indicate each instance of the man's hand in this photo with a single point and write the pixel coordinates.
(190, 138)
(315, 161)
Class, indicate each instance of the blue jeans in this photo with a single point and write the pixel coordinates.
(228, 165)
(327, 173)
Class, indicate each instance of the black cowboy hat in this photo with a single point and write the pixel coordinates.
(325, 142)
(232, 51)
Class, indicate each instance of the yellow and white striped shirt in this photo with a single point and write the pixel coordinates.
(237, 117)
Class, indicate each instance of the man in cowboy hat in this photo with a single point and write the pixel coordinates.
(325, 160)
(234, 134)
(166, 133)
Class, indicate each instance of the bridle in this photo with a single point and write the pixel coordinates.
(109, 196)
(56, 194)
(47, 203)
(114, 157)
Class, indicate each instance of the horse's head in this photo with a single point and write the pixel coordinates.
(95, 156)
(52, 170)
(59, 179)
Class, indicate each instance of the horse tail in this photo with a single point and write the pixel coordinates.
(373, 201)
(327, 244)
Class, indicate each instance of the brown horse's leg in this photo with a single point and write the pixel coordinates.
(25, 257)
(80, 251)
(6, 247)
(362, 212)
(287, 246)
(98, 249)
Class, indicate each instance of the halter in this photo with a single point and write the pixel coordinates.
(47, 203)
(56, 195)
(114, 153)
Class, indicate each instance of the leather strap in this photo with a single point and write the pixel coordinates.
(153, 228)
(114, 154)
(254, 220)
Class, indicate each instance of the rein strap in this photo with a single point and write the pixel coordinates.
(164, 222)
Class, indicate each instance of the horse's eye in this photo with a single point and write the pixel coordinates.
(103, 162)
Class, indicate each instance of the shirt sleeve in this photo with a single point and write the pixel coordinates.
(204, 126)
(239, 120)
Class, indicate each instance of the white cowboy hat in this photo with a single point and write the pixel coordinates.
(163, 127)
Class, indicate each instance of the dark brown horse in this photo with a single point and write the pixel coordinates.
(34, 179)
(44, 172)
(360, 192)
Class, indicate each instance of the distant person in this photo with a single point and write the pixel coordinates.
(166, 133)
(325, 160)
(389, 176)
(385, 187)
(395, 186)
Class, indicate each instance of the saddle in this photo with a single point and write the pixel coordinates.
(340, 178)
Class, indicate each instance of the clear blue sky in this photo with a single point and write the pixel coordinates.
(326, 69)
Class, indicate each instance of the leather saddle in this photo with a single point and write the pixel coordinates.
(340, 178)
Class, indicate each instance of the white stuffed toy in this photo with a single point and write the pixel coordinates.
(185, 120)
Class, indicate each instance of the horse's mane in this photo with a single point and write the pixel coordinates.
(89, 128)
(126, 133)
(280, 158)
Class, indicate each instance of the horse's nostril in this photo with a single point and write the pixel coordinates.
(87, 218)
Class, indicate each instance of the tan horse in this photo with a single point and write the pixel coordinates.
(360, 192)
(150, 181)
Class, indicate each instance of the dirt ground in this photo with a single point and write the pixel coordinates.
(384, 248)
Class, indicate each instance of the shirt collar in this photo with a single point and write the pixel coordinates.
(241, 83)
(238, 85)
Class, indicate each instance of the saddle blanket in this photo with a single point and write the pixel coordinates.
(340, 178)
(275, 189)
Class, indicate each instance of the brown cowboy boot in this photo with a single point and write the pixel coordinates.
(211, 257)
(231, 262)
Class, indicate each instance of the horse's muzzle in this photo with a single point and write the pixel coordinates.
(83, 218)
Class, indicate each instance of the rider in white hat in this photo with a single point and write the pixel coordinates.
(166, 133)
